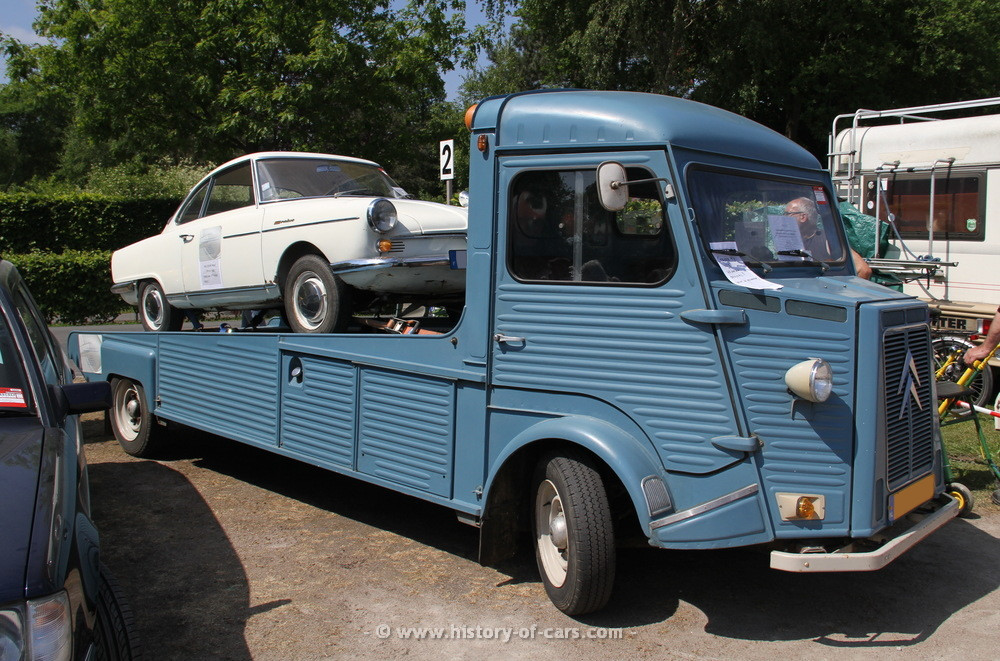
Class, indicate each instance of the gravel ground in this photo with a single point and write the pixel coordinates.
(228, 552)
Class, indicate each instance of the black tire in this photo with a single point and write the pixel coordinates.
(981, 386)
(316, 301)
(154, 311)
(131, 422)
(963, 495)
(573, 534)
(114, 629)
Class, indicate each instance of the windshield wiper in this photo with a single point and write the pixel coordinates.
(738, 253)
(807, 259)
(353, 191)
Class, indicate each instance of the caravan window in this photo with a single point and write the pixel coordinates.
(959, 204)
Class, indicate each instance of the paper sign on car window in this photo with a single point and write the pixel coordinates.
(786, 235)
(736, 271)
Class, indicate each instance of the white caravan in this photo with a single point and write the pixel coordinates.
(933, 174)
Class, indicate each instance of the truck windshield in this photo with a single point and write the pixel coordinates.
(780, 222)
(288, 178)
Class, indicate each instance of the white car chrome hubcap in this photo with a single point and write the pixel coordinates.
(310, 300)
(152, 305)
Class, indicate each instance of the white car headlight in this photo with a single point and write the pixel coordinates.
(811, 379)
(382, 215)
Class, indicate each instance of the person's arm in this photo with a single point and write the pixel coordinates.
(990, 341)
(861, 266)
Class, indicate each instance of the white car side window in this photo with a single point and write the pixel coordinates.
(231, 189)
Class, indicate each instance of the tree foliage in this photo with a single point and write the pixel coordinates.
(792, 65)
(146, 80)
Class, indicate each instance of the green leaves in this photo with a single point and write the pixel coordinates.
(148, 80)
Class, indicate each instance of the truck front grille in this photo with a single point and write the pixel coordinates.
(908, 403)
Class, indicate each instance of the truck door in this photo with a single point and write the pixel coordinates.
(591, 302)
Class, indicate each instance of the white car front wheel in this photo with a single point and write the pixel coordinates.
(316, 301)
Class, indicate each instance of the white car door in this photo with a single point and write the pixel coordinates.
(221, 244)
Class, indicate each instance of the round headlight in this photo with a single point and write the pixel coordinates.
(811, 379)
(382, 215)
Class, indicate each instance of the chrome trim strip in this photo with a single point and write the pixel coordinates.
(705, 507)
(315, 222)
(388, 262)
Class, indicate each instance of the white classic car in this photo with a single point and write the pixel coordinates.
(317, 234)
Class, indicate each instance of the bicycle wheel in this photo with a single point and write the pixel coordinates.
(981, 384)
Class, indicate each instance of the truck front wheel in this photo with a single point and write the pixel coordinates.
(574, 535)
(132, 423)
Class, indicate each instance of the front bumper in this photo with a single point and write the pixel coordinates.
(892, 543)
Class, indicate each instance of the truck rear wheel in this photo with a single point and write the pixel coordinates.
(131, 422)
(574, 535)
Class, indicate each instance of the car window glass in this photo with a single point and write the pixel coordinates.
(14, 391)
(39, 335)
(559, 231)
(231, 189)
(289, 178)
(773, 220)
(193, 207)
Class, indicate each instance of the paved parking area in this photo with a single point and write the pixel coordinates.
(227, 552)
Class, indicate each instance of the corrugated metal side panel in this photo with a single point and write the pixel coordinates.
(406, 430)
(318, 416)
(627, 346)
(227, 385)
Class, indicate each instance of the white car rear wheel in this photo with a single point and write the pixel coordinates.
(155, 313)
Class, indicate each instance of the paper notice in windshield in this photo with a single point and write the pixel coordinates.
(736, 271)
(786, 236)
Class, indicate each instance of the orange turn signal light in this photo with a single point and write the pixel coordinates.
(384, 245)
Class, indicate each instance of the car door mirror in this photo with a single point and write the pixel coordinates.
(76, 398)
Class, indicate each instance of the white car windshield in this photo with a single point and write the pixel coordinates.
(289, 178)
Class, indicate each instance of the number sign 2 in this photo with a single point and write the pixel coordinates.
(447, 154)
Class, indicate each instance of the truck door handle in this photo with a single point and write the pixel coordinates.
(500, 338)
(186, 238)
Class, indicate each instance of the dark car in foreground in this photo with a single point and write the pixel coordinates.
(57, 600)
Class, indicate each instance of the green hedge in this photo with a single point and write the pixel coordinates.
(82, 221)
(73, 287)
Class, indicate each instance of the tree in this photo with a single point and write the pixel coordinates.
(790, 64)
(210, 79)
